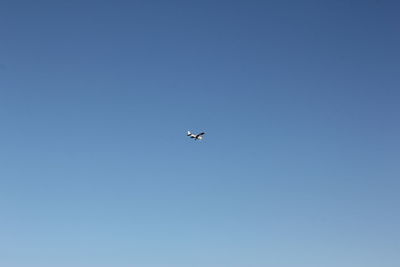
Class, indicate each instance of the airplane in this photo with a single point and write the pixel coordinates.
(195, 136)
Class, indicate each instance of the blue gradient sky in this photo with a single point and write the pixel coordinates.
(299, 168)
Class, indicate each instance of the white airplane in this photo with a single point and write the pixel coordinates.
(195, 136)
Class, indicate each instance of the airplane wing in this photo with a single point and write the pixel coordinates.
(200, 134)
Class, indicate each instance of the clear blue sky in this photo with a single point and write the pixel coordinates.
(300, 166)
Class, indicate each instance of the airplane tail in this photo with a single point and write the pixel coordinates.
(189, 133)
